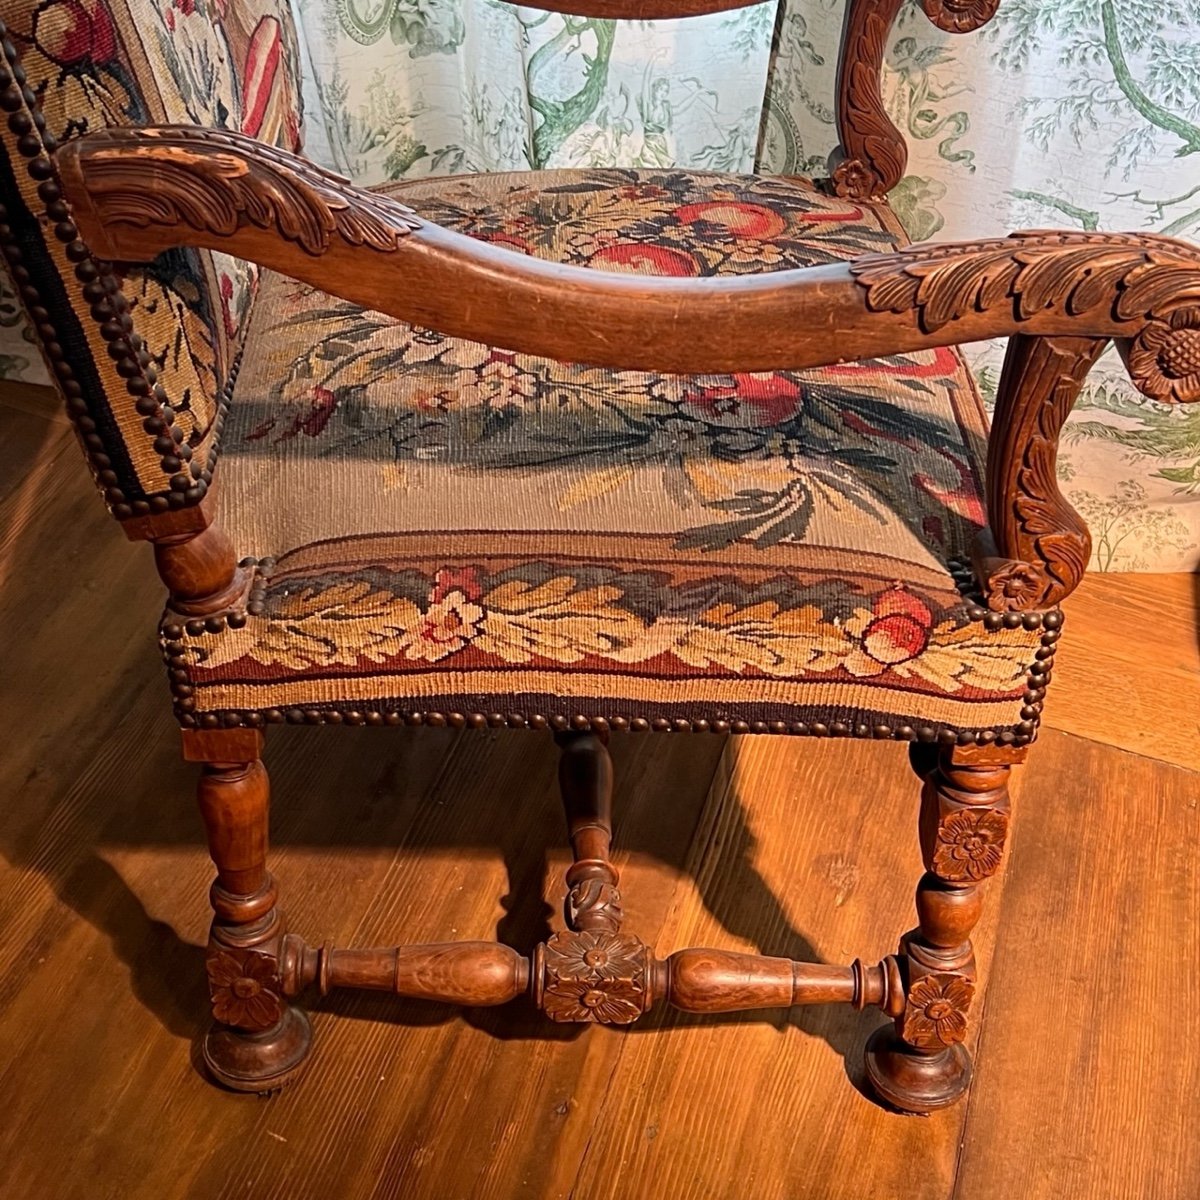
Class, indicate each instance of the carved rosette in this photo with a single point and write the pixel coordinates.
(935, 1011)
(245, 988)
(969, 844)
(1164, 359)
(1012, 586)
(595, 976)
(960, 16)
(854, 180)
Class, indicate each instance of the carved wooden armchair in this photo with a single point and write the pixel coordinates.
(585, 452)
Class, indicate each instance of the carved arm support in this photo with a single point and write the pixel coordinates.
(872, 156)
(137, 192)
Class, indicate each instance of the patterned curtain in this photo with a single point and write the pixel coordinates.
(1075, 113)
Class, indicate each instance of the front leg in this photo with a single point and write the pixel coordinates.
(921, 1064)
(259, 1040)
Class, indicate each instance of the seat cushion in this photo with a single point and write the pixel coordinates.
(450, 528)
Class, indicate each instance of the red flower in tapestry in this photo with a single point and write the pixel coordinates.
(638, 258)
(898, 629)
(76, 32)
(737, 217)
(763, 399)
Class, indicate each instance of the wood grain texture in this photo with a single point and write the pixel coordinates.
(35, 438)
(1088, 1056)
(1127, 668)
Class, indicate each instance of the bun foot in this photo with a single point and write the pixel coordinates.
(913, 1080)
(258, 1062)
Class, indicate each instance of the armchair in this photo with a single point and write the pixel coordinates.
(592, 453)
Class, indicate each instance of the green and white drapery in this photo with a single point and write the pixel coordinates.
(1073, 113)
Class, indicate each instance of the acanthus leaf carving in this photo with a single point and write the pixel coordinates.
(216, 180)
(594, 903)
(1036, 530)
(1137, 276)
(874, 154)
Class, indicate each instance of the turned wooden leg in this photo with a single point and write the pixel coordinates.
(920, 1064)
(585, 778)
(259, 1039)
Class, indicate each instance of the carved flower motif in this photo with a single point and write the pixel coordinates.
(960, 16)
(1015, 586)
(244, 989)
(591, 955)
(936, 1011)
(1164, 359)
(854, 180)
(615, 1003)
(969, 844)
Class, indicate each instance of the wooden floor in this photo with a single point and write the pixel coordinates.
(1088, 1050)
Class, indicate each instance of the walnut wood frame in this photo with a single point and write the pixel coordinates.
(129, 194)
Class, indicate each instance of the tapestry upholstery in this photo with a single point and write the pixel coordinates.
(97, 63)
(443, 525)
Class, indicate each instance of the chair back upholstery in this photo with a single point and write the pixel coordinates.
(143, 355)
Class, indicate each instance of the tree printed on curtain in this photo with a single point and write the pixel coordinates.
(1070, 113)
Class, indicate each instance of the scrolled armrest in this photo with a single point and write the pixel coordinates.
(1060, 295)
(137, 192)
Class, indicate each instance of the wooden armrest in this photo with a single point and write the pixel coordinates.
(1059, 295)
(137, 192)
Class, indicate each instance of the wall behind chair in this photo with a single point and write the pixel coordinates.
(1080, 114)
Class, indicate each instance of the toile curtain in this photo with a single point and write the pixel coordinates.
(1072, 113)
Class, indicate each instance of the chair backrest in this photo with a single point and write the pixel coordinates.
(145, 357)
(141, 356)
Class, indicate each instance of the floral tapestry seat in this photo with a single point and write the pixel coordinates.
(443, 526)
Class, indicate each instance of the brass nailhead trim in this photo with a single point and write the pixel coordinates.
(101, 290)
(175, 655)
